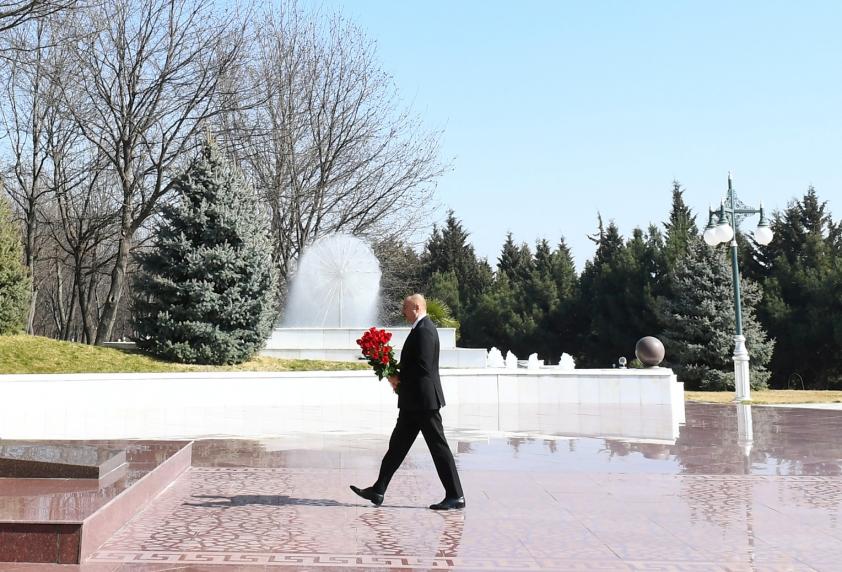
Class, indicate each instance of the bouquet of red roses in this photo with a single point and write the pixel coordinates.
(380, 355)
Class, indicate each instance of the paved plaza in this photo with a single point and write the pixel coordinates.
(719, 498)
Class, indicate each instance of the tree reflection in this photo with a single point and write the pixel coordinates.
(741, 440)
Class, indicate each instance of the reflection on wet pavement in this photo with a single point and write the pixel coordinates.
(34, 500)
(715, 440)
(741, 488)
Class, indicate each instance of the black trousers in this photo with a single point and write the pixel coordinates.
(403, 436)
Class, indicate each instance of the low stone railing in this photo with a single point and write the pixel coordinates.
(165, 405)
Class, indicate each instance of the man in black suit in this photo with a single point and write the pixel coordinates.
(419, 399)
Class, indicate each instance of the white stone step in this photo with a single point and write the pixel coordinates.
(345, 338)
(453, 357)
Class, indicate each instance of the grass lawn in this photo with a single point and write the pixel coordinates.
(771, 396)
(34, 354)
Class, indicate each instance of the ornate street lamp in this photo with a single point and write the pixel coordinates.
(723, 226)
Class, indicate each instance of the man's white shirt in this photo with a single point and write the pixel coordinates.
(418, 319)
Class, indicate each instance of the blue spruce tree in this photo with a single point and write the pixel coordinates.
(699, 322)
(206, 289)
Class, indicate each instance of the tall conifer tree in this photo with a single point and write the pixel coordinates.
(699, 322)
(602, 302)
(449, 250)
(516, 261)
(680, 229)
(802, 273)
(206, 290)
(563, 323)
(444, 286)
(504, 316)
(646, 275)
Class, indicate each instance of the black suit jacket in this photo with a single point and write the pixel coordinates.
(420, 385)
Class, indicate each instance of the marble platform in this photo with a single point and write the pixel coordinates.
(61, 521)
(58, 461)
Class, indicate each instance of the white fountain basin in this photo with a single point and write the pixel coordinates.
(340, 344)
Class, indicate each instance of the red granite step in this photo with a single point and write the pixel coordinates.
(23, 460)
(61, 521)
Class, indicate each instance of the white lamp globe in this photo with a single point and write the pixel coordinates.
(724, 232)
(710, 237)
(763, 235)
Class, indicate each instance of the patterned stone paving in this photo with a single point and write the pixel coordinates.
(715, 499)
(302, 518)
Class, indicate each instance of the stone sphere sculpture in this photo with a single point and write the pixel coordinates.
(650, 351)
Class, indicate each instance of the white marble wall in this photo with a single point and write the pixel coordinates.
(638, 403)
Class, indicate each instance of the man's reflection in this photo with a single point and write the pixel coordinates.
(450, 536)
(401, 531)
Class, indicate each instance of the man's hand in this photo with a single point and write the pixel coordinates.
(393, 381)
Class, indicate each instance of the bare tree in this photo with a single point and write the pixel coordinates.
(14, 13)
(84, 229)
(148, 80)
(324, 137)
(101, 104)
(26, 115)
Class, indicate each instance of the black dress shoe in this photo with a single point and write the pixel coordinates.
(448, 504)
(369, 494)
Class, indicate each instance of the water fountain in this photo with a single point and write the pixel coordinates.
(336, 285)
(335, 297)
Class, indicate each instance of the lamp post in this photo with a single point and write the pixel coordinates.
(728, 216)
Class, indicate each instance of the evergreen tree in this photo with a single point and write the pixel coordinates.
(14, 278)
(680, 229)
(452, 272)
(401, 271)
(444, 286)
(563, 323)
(618, 289)
(544, 260)
(448, 250)
(680, 232)
(549, 298)
(499, 319)
(516, 261)
(699, 322)
(801, 271)
(564, 271)
(646, 276)
(206, 290)
(601, 304)
(540, 301)
(507, 314)
(609, 243)
(529, 305)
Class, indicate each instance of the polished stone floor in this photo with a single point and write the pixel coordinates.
(741, 488)
(44, 500)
